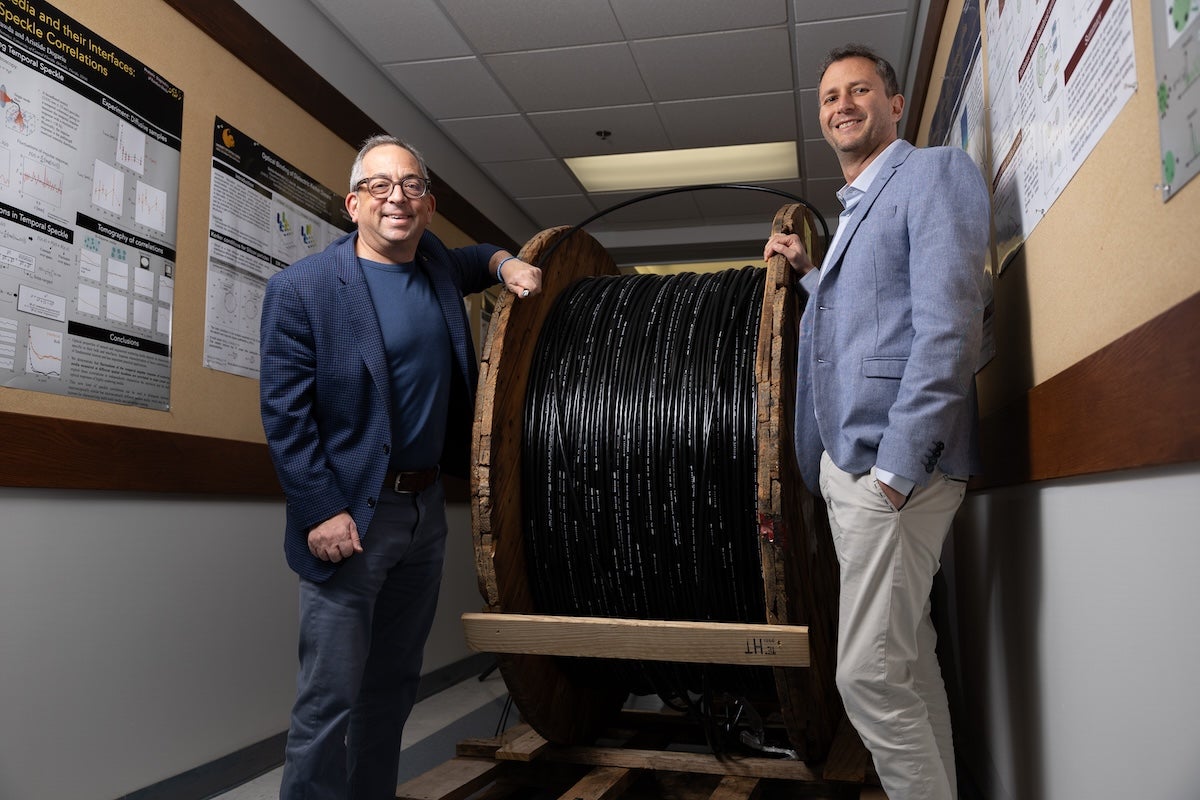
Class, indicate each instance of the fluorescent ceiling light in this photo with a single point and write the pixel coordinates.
(665, 169)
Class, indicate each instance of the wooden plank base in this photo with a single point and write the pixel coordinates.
(651, 757)
(455, 779)
(754, 645)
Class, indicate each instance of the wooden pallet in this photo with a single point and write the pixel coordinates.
(646, 757)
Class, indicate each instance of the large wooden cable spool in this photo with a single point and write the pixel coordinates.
(799, 569)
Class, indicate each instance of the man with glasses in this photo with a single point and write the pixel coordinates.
(367, 381)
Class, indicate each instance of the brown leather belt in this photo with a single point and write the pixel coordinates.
(412, 482)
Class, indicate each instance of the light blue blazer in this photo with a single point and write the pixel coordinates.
(890, 335)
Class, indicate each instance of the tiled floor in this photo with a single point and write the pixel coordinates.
(429, 717)
(468, 709)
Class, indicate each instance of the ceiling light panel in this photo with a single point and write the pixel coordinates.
(668, 168)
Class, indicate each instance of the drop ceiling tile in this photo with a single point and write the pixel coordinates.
(809, 114)
(720, 121)
(398, 30)
(550, 212)
(499, 26)
(504, 138)
(883, 33)
(819, 160)
(573, 77)
(538, 178)
(715, 64)
(640, 19)
(450, 88)
(811, 10)
(632, 129)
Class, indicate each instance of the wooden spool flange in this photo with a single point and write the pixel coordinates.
(799, 567)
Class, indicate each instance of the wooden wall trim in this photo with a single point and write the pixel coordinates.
(1131, 404)
(232, 27)
(45, 452)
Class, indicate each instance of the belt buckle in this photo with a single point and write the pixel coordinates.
(437, 471)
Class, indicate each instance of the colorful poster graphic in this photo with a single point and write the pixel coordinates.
(1177, 66)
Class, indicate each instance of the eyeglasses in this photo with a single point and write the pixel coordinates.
(381, 187)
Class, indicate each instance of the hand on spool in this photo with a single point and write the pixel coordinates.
(520, 278)
(791, 248)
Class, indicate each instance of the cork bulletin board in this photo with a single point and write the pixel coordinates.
(210, 438)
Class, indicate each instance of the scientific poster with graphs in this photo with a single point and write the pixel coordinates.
(89, 182)
(265, 214)
(1059, 72)
(1177, 66)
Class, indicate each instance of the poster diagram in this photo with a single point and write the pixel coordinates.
(16, 119)
(151, 207)
(108, 187)
(131, 148)
(41, 183)
(1177, 64)
(44, 352)
(266, 214)
(1179, 16)
(89, 185)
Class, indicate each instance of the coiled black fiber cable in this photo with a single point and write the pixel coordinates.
(639, 465)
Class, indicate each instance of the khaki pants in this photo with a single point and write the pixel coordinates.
(887, 671)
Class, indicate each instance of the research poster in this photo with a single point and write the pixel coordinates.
(265, 214)
(1177, 64)
(1059, 72)
(89, 186)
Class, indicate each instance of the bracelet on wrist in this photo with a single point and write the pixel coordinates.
(500, 266)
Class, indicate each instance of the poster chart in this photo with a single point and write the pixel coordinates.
(89, 186)
(1059, 73)
(265, 214)
(1177, 67)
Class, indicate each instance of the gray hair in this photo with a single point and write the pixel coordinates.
(379, 140)
(882, 67)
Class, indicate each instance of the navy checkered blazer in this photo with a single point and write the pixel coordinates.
(324, 387)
